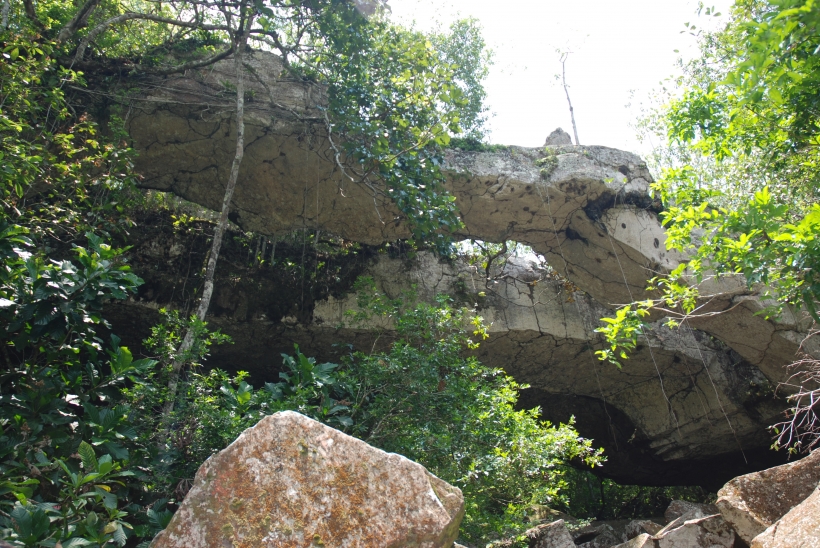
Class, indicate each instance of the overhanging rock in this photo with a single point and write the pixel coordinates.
(591, 217)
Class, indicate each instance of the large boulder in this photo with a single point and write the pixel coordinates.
(678, 508)
(753, 502)
(549, 535)
(638, 527)
(644, 540)
(604, 537)
(696, 530)
(800, 528)
(292, 481)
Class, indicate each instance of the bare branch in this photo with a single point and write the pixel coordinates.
(79, 20)
(239, 44)
(102, 27)
(800, 432)
(566, 90)
(193, 64)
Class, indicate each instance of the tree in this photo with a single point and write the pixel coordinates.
(394, 99)
(740, 179)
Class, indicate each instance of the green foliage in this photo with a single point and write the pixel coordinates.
(604, 499)
(621, 332)
(548, 163)
(425, 399)
(58, 177)
(166, 337)
(740, 169)
(464, 49)
(471, 144)
(422, 399)
(59, 396)
(397, 103)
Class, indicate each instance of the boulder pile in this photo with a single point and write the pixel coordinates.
(775, 508)
(290, 481)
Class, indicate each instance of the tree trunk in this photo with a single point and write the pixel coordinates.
(219, 232)
(566, 91)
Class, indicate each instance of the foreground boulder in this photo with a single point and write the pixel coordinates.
(754, 502)
(292, 481)
(678, 508)
(694, 530)
(799, 528)
(549, 535)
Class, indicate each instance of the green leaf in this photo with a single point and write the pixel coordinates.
(89, 458)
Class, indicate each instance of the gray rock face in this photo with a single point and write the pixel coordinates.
(541, 331)
(643, 540)
(591, 218)
(636, 528)
(678, 508)
(557, 138)
(695, 529)
(291, 481)
(603, 536)
(799, 528)
(754, 502)
(549, 535)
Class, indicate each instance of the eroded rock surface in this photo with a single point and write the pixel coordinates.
(753, 502)
(292, 481)
(541, 331)
(696, 530)
(591, 216)
(799, 528)
(685, 396)
(549, 535)
(678, 508)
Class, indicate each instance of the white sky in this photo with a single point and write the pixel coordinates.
(618, 47)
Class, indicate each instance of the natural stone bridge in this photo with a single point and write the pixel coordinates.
(686, 398)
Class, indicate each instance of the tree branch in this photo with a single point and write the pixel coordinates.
(566, 91)
(102, 27)
(31, 14)
(239, 44)
(191, 65)
(79, 20)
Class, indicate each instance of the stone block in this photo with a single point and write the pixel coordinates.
(753, 502)
(292, 481)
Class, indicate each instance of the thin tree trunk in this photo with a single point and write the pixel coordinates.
(6, 6)
(566, 91)
(216, 245)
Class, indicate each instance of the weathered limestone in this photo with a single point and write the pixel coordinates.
(603, 536)
(542, 332)
(754, 502)
(643, 540)
(291, 481)
(591, 217)
(558, 137)
(678, 508)
(636, 528)
(550, 535)
(705, 394)
(696, 530)
(685, 395)
(799, 528)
